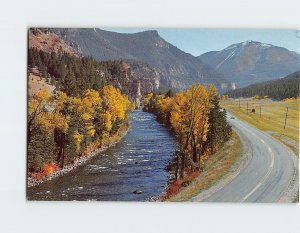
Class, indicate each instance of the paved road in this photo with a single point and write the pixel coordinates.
(267, 174)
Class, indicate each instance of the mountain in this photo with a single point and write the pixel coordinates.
(44, 39)
(176, 68)
(133, 77)
(252, 62)
(279, 89)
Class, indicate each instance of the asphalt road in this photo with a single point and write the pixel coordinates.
(268, 176)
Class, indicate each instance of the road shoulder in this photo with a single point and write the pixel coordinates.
(220, 169)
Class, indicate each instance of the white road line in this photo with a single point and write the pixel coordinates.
(269, 170)
(267, 174)
(252, 191)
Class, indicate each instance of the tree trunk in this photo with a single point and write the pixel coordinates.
(194, 146)
(177, 166)
(59, 155)
(60, 140)
(182, 165)
(62, 156)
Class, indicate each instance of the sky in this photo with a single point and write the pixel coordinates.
(199, 41)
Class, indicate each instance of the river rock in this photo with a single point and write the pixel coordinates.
(138, 192)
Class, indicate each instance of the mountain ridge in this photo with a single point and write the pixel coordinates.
(251, 62)
(177, 68)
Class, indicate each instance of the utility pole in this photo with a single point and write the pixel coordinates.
(259, 111)
(286, 115)
(247, 107)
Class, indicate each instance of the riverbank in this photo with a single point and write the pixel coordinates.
(132, 170)
(87, 155)
(225, 161)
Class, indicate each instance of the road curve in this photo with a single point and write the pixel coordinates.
(270, 173)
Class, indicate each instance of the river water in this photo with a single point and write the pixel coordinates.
(137, 162)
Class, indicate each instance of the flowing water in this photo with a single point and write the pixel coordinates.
(137, 162)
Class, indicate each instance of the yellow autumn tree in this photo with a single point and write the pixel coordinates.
(70, 123)
(164, 106)
(115, 102)
(116, 106)
(85, 110)
(41, 114)
(36, 107)
(147, 98)
(78, 139)
(189, 120)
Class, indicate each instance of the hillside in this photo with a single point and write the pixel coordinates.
(37, 83)
(47, 41)
(277, 89)
(252, 62)
(175, 67)
(131, 76)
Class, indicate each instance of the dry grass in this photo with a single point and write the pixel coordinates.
(36, 84)
(214, 169)
(272, 117)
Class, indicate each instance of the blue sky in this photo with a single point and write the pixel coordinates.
(199, 41)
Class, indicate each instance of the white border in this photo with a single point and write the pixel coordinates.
(17, 215)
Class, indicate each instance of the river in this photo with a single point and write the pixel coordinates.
(137, 162)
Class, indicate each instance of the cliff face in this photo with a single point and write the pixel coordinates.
(136, 79)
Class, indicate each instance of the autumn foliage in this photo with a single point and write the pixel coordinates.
(50, 168)
(197, 121)
(62, 127)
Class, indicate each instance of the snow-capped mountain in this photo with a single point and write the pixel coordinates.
(252, 62)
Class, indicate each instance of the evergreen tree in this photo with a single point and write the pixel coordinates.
(219, 130)
(170, 93)
(279, 89)
(69, 83)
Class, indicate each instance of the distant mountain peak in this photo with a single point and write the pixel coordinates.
(258, 44)
(249, 43)
(251, 62)
(153, 32)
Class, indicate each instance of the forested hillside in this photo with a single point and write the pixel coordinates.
(73, 75)
(86, 111)
(70, 74)
(175, 67)
(279, 89)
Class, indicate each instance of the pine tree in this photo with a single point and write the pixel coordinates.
(219, 130)
(170, 93)
(69, 83)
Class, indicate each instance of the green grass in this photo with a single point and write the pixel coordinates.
(214, 169)
(271, 119)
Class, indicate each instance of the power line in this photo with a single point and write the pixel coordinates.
(259, 111)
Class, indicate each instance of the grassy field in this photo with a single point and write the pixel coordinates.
(214, 169)
(270, 116)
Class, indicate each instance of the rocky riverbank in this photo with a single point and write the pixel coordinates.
(31, 181)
